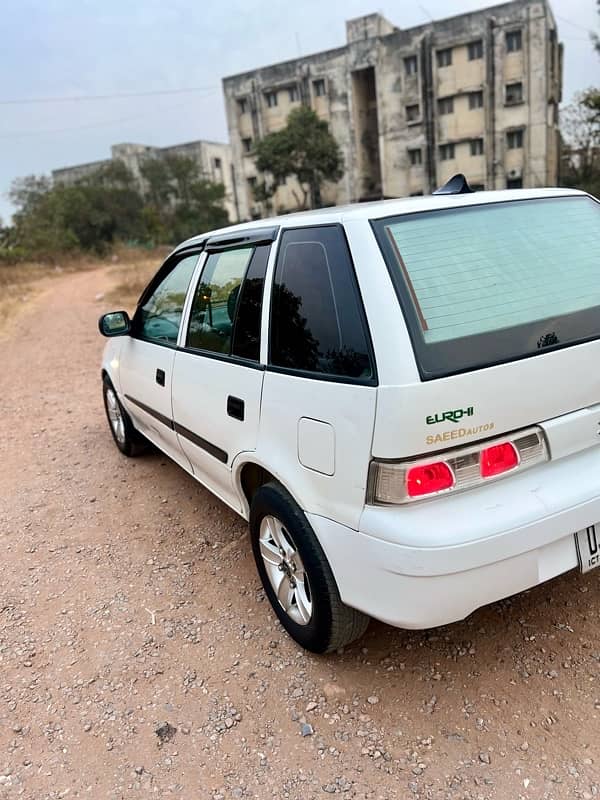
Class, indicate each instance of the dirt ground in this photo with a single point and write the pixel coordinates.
(139, 657)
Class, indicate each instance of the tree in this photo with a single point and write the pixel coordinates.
(594, 36)
(179, 201)
(580, 126)
(305, 150)
(108, 205)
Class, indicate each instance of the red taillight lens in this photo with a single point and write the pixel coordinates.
(497, 459)
(428, 478)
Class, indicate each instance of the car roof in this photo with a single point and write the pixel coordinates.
(385, 208)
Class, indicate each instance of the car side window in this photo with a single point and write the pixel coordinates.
(159, 318)
(317, 323)
(216, 300)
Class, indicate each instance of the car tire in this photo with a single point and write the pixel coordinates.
(296, 575)
(129, 440)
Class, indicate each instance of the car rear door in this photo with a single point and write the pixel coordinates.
(146, 358)
(217, 374)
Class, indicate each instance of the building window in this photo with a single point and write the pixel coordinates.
(319, 87)
(252, 183)
(446, 152)
(475, 50)
(477, 187)
(294, 94)
(411, 65)
(476, 147)
(242, 105)
(271, 98)
(416, 194)
(217, 163)
(475, 100)
(514, 139)
(247, 145)
(444, 57)
(513, 41)
(514, 183)
(413, 113)
(415, 156)
(446, 105)
(514, 94)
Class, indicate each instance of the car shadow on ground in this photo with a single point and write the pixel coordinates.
(534, 633)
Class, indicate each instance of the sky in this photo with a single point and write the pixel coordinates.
(56, 49)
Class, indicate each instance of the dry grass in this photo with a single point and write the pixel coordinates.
(19, 285)
(132, 269)
(130, 273)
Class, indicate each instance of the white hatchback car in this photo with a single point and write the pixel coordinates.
(401, 397)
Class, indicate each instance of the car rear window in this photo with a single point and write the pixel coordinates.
(480, 285)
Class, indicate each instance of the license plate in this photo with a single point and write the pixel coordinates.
(587, 542)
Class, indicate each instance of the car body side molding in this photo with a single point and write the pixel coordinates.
(209, 447)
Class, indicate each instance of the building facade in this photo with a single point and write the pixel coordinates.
(213, 159)
(476, 93)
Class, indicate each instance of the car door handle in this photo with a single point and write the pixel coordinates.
(160, 377)
(235, 408)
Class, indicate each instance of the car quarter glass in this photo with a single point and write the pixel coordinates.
(496, 282)
(317, 322)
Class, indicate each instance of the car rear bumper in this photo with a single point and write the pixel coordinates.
(435, 562)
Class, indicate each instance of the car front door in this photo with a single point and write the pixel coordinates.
(217, 374)
(146, 359)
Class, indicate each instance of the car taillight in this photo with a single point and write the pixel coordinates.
(393, 482)
(428, 479)
(497, 459)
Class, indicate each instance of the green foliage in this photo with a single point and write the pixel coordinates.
(108, 206)
(304, 149)
(580, 127)
(594, 36)
(179, 202)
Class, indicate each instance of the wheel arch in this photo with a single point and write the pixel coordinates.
(249, 473)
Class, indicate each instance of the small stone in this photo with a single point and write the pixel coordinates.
(525, 747)
(165, 732)
(484, 758)
(87, 727)
(228, 722)
(306, 729)
(311, 706)
(373, 700)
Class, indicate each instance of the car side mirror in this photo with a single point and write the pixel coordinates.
(115, 323)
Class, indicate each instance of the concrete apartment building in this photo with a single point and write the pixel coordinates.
(213, 159)
(476, 93)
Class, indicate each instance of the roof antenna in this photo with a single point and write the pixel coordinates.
(456, 185)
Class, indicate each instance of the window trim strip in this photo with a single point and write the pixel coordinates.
(237, 239)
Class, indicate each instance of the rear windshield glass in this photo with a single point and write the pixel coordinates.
(485, 284)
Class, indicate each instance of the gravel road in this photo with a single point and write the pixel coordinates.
(139, 657)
